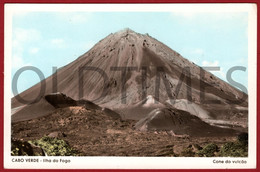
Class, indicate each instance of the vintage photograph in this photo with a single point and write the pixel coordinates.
(131, 81)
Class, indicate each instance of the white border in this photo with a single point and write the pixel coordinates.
(133, 162)
(131, 7)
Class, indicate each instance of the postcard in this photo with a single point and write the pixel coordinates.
(130, 86)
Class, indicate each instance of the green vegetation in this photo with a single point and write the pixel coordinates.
(15, 152)
(238, 148)
(208, 151)
(24, 148)
(234, 149)
(54, 146)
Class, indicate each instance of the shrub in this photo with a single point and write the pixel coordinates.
(24, 148)
(208, 151)
(243, 138)
(55, 147)
(234, 149)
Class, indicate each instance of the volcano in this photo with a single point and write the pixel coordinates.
(136, 77)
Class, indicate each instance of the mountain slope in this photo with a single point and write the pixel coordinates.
(121, 70)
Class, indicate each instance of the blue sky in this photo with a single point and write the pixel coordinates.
(47, 39)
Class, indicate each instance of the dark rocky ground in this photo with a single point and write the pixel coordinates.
(93, 132)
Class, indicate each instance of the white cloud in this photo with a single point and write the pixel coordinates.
(58, 43)
(208, 63)
(22, 35)
(33, 50)
(21, 39)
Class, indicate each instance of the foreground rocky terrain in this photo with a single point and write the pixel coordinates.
(96, 132)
